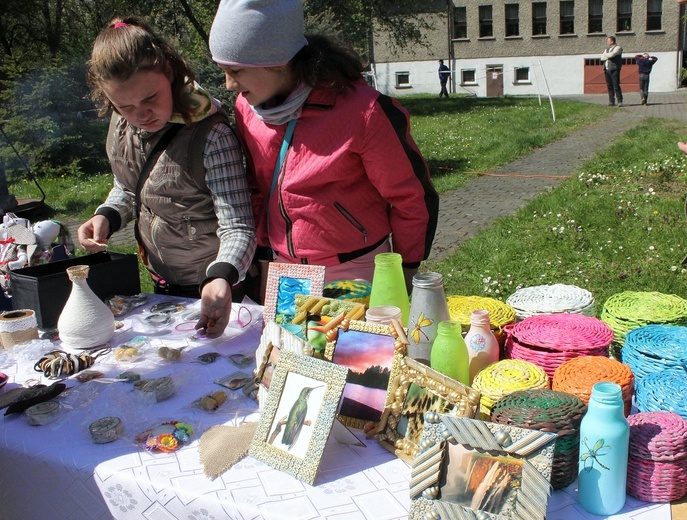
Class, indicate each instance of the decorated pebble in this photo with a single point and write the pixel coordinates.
(42, 413)
(125, 353)
(170, 354)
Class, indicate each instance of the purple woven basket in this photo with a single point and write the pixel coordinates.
(548, 340)
(657, 462)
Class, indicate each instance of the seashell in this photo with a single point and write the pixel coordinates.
(170, 354)
(331, 335)
(219, 396)
(125, 353)
(208, 403)
(426, 444)
(431, 492)
(431, 417)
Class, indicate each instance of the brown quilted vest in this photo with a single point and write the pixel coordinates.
(177, 225)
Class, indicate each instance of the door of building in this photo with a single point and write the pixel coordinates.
(494, 80)
(595, 80)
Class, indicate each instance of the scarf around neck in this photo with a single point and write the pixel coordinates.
(288, 110)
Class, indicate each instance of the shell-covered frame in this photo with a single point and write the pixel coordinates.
(464, 399)
(334, 378)
(275, 337)
(533, 447)
(277, 270)
(395, 331)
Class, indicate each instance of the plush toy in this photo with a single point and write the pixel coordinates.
(21, 245)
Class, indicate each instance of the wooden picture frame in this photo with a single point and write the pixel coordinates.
(474, 469)
(420, 389)
(273, 341)
(298, 415)
(373, 353)
(284, 281)
(316, 315)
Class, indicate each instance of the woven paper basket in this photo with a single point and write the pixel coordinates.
(547, 411)
(663, 391)
(505, 377)
(630, 310)
(653, 348)
(549, 299)
(579, 375)
(657, 463)
(548, 340)
(460, 309)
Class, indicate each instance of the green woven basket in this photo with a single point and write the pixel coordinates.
(629, 310)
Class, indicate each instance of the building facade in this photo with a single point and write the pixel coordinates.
(506, 47)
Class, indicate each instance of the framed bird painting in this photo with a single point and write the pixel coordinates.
(298, 415)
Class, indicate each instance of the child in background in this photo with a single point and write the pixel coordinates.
(191, 202)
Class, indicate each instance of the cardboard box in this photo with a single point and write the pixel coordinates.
(45, 288)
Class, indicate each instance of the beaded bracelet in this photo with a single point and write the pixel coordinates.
(59, 363)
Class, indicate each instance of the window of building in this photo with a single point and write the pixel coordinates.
(624, 15)
(460, 22)
(522, 75)
(486, 22)
(654, 12)
(468, 77)
(567, 17)
(403, 79)
(538, 18)
(512, 20)
(596, 16)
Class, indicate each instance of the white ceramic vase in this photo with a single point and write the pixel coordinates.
(85, 320)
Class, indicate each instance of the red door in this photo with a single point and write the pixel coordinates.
(595, 80)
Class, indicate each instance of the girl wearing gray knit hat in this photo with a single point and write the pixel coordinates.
(336, 175)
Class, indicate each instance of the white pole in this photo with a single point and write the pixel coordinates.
(546, 83)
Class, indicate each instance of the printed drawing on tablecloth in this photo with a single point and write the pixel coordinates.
(471, 466)
(298, 415)
(284, 282)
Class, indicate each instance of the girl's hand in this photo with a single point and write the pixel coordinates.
(215, 307)
(682, 147)
(92, 234)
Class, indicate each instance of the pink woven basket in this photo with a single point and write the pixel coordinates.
(657, 462)
(548, 340)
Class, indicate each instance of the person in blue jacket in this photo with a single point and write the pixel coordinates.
(644, 64)
(444, 75)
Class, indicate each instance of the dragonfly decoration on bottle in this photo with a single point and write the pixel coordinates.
(417, 330)
(599, 450)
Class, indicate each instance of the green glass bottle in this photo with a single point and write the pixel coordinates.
(388, 284)
(449, 352)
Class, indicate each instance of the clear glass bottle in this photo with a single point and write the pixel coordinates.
(483, 347)
(428, 307)
(604, 444)
(449, 353)
(389, 285)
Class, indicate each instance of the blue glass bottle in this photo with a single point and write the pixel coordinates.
(604, 443)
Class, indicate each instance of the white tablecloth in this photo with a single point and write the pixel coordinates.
(57, 471)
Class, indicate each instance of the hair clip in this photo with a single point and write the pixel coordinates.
(120, 24)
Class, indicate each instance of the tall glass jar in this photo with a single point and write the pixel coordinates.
(428, 307)
(449, 353)
(604, 444)
(389, 285)
(483, 347)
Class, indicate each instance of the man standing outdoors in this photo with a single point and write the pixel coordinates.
(612, 59)
(644, 64)
(444, 75)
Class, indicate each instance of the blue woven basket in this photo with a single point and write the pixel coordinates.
(663, 391)
(654, 348)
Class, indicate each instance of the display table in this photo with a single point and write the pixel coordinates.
(57, 471)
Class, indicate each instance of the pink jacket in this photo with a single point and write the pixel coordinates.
(353, 176)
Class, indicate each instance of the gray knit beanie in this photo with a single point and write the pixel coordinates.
(257, 33)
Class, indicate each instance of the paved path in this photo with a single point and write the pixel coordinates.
(466, 211)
